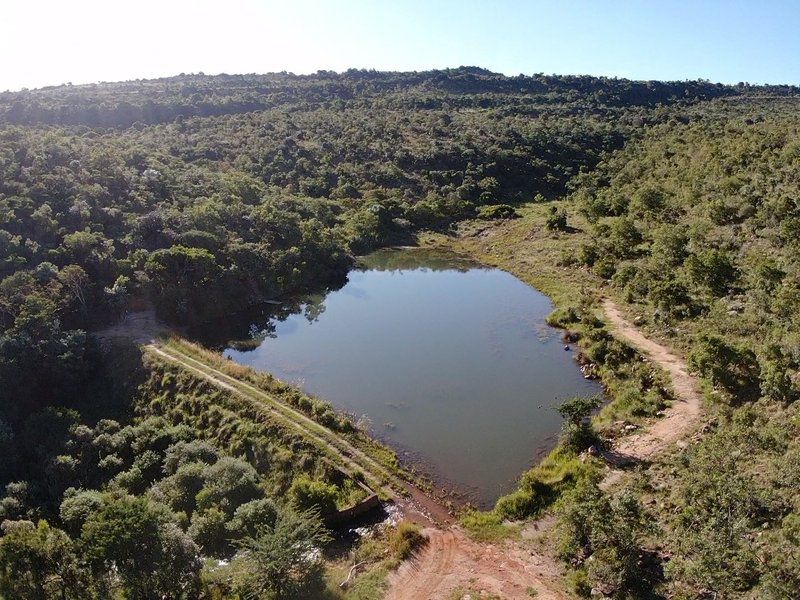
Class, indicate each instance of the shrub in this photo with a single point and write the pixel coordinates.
(252, 515)
(496, 211)
(306, 493)
(562, 317)
(603, 536)
(78, 506)
(406, 539)
(731, 366)
(556, 220)
(575, 411)
(208, 530)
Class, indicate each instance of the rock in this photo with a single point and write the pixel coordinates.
(593, 451)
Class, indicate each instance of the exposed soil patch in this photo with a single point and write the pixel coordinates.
(680, 418)
(452, 561)
(140, 327)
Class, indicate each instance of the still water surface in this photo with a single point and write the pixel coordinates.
(451, 362)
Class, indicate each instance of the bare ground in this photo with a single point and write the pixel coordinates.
(452, 561)
(140, 327)
(679, 419)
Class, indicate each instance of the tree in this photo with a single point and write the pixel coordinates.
(208, 531)
(624, 237)
(78, 506)
(248, 517)
(131, 537)
(182, 280)
(713, 269)
(281, 561)
(39, 563)
(733, 367)
(231, 482)
(576, 412)
(75, 279)
(603, 536)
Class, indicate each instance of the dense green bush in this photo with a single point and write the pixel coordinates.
(406, 539)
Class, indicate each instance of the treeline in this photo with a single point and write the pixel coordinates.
(162, 100)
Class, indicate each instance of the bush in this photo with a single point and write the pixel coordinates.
(731, 366)
(306, 493)
(579, 431)
(603, 537)
(497, 211)
(556, 220)
(406, 539)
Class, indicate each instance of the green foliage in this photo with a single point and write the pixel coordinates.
(77, 507)
(133, 536)
(249, 516)
(496, 211)
(208, 529)
(230, 482)
(307, 494)
(731, 366)
(280, 561)
(486, 526)
(576, 412)
(556, 220)
(603, 537)
(39, 562)
(123, 196)
(541, 486)
(713, 269)
(406, 539)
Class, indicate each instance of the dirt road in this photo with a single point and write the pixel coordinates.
(681, 417)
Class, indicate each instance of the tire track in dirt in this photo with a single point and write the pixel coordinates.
(452, 561)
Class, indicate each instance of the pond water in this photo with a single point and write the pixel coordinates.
(451, 362)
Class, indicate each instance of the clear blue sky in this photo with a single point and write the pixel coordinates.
(54, 41)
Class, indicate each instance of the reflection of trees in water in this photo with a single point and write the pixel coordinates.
(246, 330)
(404, 259)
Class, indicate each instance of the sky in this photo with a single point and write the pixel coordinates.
(50, 42)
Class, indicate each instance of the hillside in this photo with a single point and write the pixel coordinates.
(690, 230)
(202, 196)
